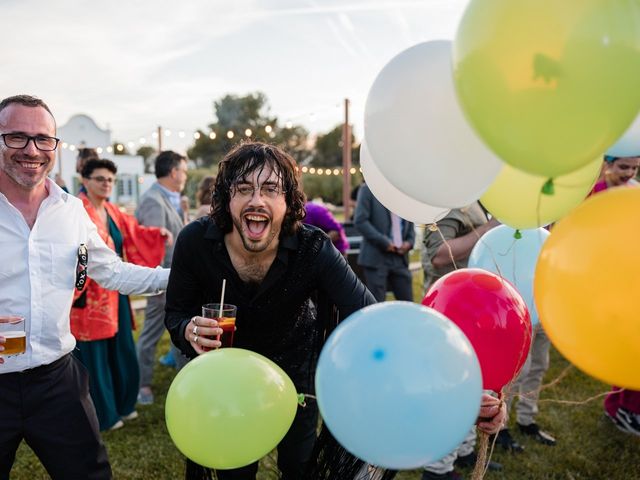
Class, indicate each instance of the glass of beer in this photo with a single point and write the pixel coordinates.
(13, 331)
(226, 319)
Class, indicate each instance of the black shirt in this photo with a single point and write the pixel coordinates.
(283, 318)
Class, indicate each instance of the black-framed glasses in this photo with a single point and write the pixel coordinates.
(81, 268)
(101, 179)
(268, 190)
(19, 140)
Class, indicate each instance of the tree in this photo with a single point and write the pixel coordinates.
(147, 152)
(328, 149)
(238, 114)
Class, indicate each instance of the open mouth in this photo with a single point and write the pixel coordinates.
(256, 225)
(30, 165)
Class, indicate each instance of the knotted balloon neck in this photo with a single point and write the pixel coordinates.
(548, 188)
(302, 399)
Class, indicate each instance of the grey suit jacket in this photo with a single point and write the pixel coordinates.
(373, 221)
(156, 210)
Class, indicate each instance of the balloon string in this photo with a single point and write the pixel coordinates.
(302, 398)
(434, 228)
(576, 402)
(483, 459)
(480, 468)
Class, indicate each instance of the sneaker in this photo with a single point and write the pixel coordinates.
(168, 360)
(630, 420)
(116, 426)
(533, 430)
(452, 475)
(132, 416)
(145, 396)
(469, 461)
(506, 441)
(618, 424)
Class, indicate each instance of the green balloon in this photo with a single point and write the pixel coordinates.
(549, 84)
(229, 407)
(518, 199)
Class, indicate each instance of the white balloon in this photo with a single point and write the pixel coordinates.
(417, 134)
(628, 145)
(398, 202)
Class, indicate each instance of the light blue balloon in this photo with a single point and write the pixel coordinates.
(398, 385)
(514, 259)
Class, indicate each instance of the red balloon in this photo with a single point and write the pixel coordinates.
(492, 314)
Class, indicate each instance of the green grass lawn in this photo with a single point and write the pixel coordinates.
(589, 446)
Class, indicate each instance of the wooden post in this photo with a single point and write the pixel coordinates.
(159, 138)
(346, 162)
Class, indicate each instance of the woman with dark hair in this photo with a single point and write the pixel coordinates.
(101, 320)
(203, 196)
(621, 406)
(616, 172)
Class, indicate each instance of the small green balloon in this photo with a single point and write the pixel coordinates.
(549, 84)
(229, 407)
(516, 198)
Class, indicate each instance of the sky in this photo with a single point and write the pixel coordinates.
(134, 65)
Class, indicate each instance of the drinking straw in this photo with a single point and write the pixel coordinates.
(224, 284)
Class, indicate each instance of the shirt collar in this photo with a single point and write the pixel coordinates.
(174, 197)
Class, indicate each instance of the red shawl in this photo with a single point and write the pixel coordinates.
(98, 319)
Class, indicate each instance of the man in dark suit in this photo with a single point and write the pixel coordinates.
(384, 252)
(160, 207)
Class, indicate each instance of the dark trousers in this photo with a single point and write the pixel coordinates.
(397, 279)
(293, 451)
(50, 408)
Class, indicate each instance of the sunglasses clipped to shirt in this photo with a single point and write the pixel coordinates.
(81, 268)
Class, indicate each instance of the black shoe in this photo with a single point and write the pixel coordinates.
(533, 430)
(452, 475)
(469, 461)
(506, 441)
(630, 420)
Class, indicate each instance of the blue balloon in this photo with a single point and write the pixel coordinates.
(513, 259)
(398, 385)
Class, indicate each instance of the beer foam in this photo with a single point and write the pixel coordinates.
(13, 334)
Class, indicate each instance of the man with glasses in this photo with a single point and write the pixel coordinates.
(48, 246)
(274, 267)
(287, 281)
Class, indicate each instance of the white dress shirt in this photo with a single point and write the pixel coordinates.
(38, 273)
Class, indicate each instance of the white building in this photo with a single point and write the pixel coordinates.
(82, 132)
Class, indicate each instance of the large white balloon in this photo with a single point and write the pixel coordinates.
(628, 145)
(417, 134)
(398, 202)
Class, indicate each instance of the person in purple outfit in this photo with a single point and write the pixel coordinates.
(319, 216)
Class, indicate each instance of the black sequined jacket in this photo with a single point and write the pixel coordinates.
(287, 316)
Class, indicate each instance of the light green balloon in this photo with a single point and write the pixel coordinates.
(549, 84)
(229, 407)
(516, 199)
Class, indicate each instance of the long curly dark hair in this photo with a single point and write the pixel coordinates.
(241, 162)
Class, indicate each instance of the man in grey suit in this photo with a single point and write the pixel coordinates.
(160, 207)
(384, 252)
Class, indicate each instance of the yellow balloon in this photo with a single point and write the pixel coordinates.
(516, 199)
(586, 287)
(549, 84)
